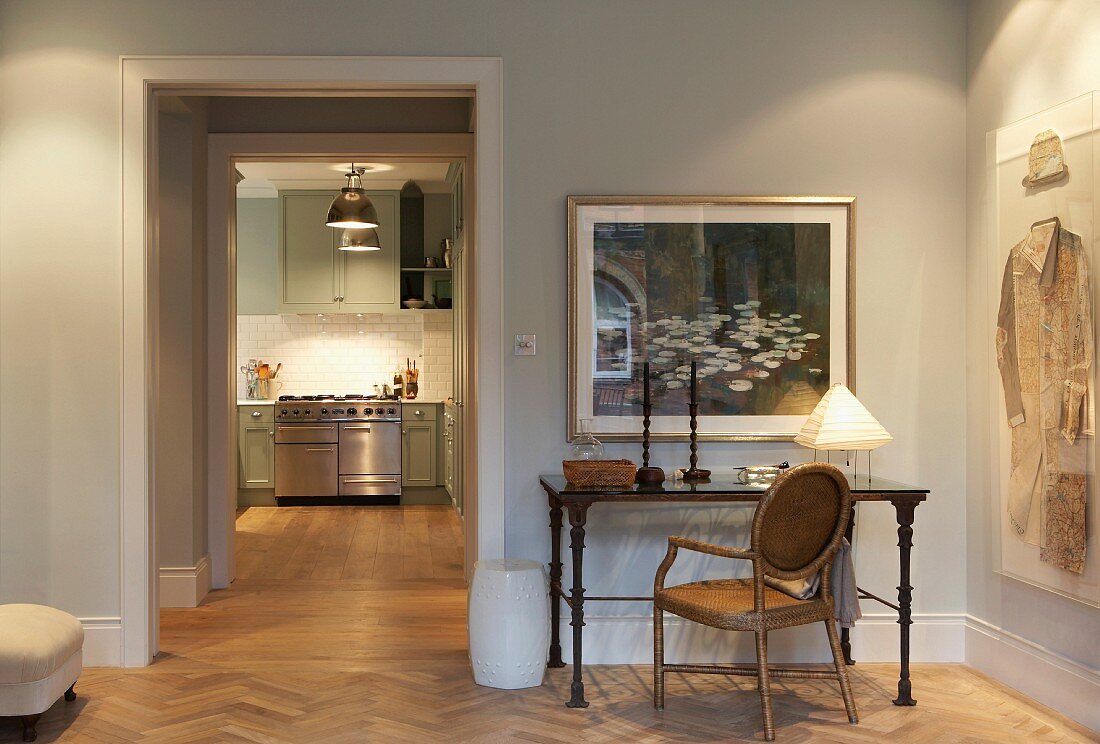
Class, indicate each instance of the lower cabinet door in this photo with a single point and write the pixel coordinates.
(256, 444)
(418, 453)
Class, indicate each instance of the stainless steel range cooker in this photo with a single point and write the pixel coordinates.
(329, 446)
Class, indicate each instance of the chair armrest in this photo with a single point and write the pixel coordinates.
(674, 543)
(719, 550)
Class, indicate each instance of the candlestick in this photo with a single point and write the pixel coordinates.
(694, 473)
(646, 474)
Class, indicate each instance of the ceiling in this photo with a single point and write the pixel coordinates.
(264, 180)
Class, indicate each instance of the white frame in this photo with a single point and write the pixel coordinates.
(140, 78)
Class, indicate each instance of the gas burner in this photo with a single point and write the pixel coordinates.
(353, 397)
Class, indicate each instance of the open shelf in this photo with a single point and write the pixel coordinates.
(422, 270)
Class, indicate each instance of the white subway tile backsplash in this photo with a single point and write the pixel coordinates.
(349, 354)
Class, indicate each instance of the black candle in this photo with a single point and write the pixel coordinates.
(694, 384)
(645, 386)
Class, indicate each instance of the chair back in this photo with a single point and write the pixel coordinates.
(801, 520)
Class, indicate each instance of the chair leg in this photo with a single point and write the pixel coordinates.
(841, 671)
(70, 694)
(764, 684)
(658, 659)
(29, 723)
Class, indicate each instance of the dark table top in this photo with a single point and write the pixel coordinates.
(718, 488)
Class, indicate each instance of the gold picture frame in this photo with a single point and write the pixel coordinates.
(830, 216)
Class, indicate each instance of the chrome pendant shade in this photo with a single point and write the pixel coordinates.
(352, 208)
(359, 240)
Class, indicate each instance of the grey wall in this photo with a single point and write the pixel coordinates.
(257, 254)
(861, 97)
(180, 424)
(1023, 57)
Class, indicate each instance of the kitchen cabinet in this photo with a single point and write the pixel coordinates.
(316, 277)
(256, 446)
(419, 451)
(449, 454)
(456, 179)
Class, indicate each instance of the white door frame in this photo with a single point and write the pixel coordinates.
(141, 78)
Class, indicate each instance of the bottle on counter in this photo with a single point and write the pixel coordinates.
(399, 384)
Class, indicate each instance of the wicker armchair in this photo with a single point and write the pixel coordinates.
(797, 528)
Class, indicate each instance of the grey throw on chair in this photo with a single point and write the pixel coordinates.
(796, 530)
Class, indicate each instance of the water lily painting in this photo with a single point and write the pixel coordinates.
(754, 290)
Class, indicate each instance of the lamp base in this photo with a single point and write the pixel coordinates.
(650, 475)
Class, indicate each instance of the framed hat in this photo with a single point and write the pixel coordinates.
(1046, 161)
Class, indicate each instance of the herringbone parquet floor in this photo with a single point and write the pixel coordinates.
(322, 639)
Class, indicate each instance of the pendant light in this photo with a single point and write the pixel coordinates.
(352, 207)
(359, 240)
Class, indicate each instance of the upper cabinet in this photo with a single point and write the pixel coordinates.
(456, 177)
(316, 277)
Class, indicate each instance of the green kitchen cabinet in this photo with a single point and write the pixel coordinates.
(418, 452)
(256, 446)
(316, 277)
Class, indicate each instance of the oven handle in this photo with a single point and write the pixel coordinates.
(366, 428)
(319, 449)
(295, 427)
(370, 480)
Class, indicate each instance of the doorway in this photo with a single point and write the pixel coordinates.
(143, 78)
(347, 372)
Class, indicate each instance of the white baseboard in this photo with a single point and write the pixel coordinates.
(1049, 678)
(185, 586)
(629, 640)
(102, 641)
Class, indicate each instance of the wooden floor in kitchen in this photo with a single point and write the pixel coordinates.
(348, 625)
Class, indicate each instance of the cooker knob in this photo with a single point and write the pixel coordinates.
(368, 411)
(309, 412)
(351, 411)
(283, 412)
(392, 412)
(324, 411)
(296, 412)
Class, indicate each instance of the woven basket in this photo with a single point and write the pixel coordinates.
(599, 472)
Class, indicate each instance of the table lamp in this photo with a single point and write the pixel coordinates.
(840, 422)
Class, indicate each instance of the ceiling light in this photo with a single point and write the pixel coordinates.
(359, 240)
(352, 207)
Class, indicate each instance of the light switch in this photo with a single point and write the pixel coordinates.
(525, 344)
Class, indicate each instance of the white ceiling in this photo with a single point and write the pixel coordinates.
(264, 180)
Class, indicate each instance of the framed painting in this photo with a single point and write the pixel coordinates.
(756, 290)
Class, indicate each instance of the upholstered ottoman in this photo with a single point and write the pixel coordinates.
(41, 652)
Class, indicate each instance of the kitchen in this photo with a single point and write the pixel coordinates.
(345, 337)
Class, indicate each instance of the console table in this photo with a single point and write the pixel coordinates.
(565, 497)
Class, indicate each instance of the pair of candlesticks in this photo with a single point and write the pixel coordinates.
(653, 474)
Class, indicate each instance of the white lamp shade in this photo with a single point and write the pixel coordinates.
(840, 422)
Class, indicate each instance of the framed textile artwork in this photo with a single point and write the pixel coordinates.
(757, 290)
(1041, 348)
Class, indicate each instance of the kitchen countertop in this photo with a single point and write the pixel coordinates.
(424, 401)
(255, 402)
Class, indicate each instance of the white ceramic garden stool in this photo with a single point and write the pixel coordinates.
(509, 623)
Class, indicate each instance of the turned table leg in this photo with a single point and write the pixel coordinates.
(577, 518)
(905, 510)
(555, 584)
(845, 633)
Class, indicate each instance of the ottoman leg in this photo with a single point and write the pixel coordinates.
(70, 694)
(29, 722)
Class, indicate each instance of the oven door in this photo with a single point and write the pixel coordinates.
(371, 448)
(306, 433)
(306, 469)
